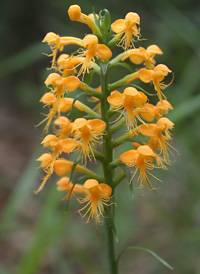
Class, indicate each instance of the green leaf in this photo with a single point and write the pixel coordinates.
(146, 250)
(21, 193)
(47, 230)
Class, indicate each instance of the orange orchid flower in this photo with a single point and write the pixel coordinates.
(65, 185)
(156, 75)
(127, 28)
(65, 127)
(142, 159)
(75, 14)
(60, 85)
(48, 159)
(93, 49)
(131, 101)
(97, 196)
(149, 112)
(158, 140)
(67, 64)
(140, 55)
(87, 132)
(57, 43)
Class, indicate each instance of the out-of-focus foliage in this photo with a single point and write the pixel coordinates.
(36, 236)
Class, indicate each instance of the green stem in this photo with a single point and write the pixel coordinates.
(121, 139)
(122, 82)
(108, 173)
(118, 125)
(90, 90)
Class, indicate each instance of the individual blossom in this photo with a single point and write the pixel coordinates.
(93, 49)
(48, 159)
(60, 85)
(85, 57)
(75, 14)
(131, 101)
(156, 76)
(142, 159)
(67, 64)
(149, 112)
(159, 136)
(65, 185)
(126, 29)
(65, 127)
(97, 196)
(87, 132)
(57, 43)
(140, 55)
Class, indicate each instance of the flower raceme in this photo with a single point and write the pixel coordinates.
(91, 134)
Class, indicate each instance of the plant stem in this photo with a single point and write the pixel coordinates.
(108, 173)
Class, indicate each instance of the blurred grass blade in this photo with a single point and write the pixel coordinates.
(23, 59)
(185, 109)
(146, 250)
(48, 229)
(21, 193)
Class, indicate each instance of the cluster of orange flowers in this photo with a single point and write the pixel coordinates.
(81, 135)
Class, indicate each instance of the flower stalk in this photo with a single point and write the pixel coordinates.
(119, 107)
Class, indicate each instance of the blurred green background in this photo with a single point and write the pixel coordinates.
(36, 236)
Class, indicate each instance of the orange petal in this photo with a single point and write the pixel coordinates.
(98, 126)
(115, 99)
(136, 59)
(162, 68)
(105, 190)
(62, 121)
(165, 123)
(148, 112)
(89, 184)
(71, 83)
(68, 145)
(153, 49)
(118, 25)
(48, 98)
(52, 78)
(74, 12)
(145, 75)
(145, 150)
(50, 140)
(133, 17)
(129, 157)
(62, 167)
(103, 52)
(63, 184)
(147, 129)
(79, 123)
